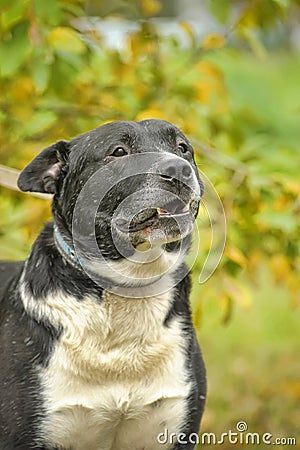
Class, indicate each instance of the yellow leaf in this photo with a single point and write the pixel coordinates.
(139, 44)
(209, 87)
(253, 263)
(290, 388)
(107, 99)
(213, 41)
(237, 292)
(210, 69)
(21, 89)
(293, 284)
(66, 39)
(280, 267)
(235, 255)
(281, 203)
(226, 306)
(188, 29)
(197, 315)
(151, 113)
(293, 187)
(150, 7)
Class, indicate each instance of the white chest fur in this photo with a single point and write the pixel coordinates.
(116, 378)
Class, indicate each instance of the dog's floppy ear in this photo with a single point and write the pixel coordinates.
(44, 172)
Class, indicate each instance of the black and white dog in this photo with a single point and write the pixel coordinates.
(98, 350)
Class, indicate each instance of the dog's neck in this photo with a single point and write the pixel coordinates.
(46, 272)
(53, 271)
(141, 271)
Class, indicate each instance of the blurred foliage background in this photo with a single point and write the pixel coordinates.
(228, 76)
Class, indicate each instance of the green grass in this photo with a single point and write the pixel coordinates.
(253, 364)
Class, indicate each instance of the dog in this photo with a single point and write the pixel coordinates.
(98, 346)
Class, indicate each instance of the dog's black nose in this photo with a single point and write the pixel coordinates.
(175, 169)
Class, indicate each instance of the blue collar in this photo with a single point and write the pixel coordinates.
(66, 251)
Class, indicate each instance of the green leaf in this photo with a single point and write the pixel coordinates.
(62, 76)
(254, 41)
(67, 40)
(41, 74)
(283, 221)
(220, 9)
(13, 14)
(15, 50)
(39, 122)
(4, 3)
(3, 116)
(73, 9)
(282, 3)
(70, 58)
(48, 11)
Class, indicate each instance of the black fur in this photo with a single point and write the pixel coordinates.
(25, 346)
(53, 272)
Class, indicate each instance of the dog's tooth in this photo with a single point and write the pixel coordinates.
(161, 211)
(187, 207)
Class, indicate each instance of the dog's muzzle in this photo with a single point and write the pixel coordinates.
(165, 209)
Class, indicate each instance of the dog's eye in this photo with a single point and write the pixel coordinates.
(119, 151)
(183, 148)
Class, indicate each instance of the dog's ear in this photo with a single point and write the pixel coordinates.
(45, 171)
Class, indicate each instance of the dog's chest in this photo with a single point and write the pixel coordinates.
(117, 377)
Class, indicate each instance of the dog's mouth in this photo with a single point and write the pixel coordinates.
(146, 218)
(175, 209)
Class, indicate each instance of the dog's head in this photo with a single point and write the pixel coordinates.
(130, 187)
